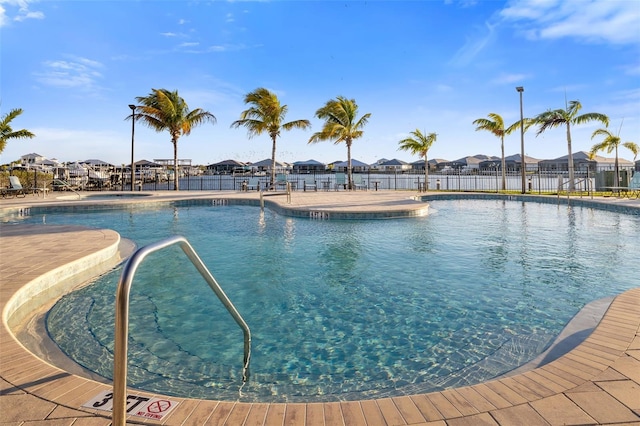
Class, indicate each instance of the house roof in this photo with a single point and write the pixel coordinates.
(267, 163)
(228, 163)
(516, 159)
(394, 162)
(584, 156)
(475, 159)
(354, 163)
(433, 161)
(95, 162)
(308, 163)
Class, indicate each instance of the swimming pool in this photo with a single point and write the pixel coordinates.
(348, 309)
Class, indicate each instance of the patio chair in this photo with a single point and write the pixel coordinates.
(634, 186)
(281, 181)
(15, 188)
(341, 181)
(310, 182)
(253, 184)
(359, 183)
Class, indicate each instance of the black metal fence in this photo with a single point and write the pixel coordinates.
(488, 181)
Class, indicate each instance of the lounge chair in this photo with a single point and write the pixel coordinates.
(359, 183)
(253, 184)
(634, 186)
(341, 181)
(310, 183)
(281, 181)
(15, 188)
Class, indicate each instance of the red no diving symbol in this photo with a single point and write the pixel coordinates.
(159, 406)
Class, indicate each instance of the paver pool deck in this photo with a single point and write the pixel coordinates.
(598, 382)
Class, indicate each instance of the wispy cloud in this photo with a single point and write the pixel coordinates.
(591, 21)
(462, 3)
(78, 73)
(17, 10)
(568, 89)
(474, 45)
(632, 69)
(509, 78)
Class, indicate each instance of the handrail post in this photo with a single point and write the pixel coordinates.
(122, 319)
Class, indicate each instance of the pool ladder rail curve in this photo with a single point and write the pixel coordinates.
(122, 318)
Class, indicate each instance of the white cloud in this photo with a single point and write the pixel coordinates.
(79, 73)
(474, 45)
(509, 78)
(633, 69)
(610, 21)
(23, 12)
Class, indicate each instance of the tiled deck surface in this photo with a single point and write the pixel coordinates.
(596, 383)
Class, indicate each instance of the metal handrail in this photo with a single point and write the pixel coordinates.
(122, 318)
(66, 185)
(576, 182)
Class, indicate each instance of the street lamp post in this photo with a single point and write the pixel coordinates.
(523, 164)
(133, 129)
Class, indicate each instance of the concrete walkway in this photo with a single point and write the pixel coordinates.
(598, 382)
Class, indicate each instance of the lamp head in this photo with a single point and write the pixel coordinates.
(520, 89)
(133, 107)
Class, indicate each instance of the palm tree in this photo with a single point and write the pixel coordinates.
(495, 125)
(567, 117)
(419, 143)
(7, 133)
(165, 110)
(341, 125)
(267, 115)
(611, 143)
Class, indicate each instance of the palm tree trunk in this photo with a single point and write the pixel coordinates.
(504, 166)
(570, 160)
(426, 172)
(617, 169)
(349, 171)
(273, 161)
(175, 164)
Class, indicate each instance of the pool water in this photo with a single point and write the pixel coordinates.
(343, 310)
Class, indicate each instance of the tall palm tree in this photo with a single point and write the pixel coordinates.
(341, 125)
(266, 115)
(165, 110)
(495, 125)
(568, 117)
(611, 143)
(7, 133)
(419, 143)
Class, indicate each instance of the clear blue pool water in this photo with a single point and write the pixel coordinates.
(345, 310)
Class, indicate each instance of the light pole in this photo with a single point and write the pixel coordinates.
(523, 164)
(133, 129)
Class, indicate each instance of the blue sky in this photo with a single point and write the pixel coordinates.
(74, 66)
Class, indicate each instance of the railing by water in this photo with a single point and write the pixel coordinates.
(537, 181)
(122, 319)
(574, 187)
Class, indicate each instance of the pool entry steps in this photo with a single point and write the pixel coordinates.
(122, 318)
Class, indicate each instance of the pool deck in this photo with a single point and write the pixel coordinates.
(598, 382)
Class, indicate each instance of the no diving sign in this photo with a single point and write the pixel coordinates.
(137, 405)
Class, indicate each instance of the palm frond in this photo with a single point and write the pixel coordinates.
(633, 147)
(591, 116)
